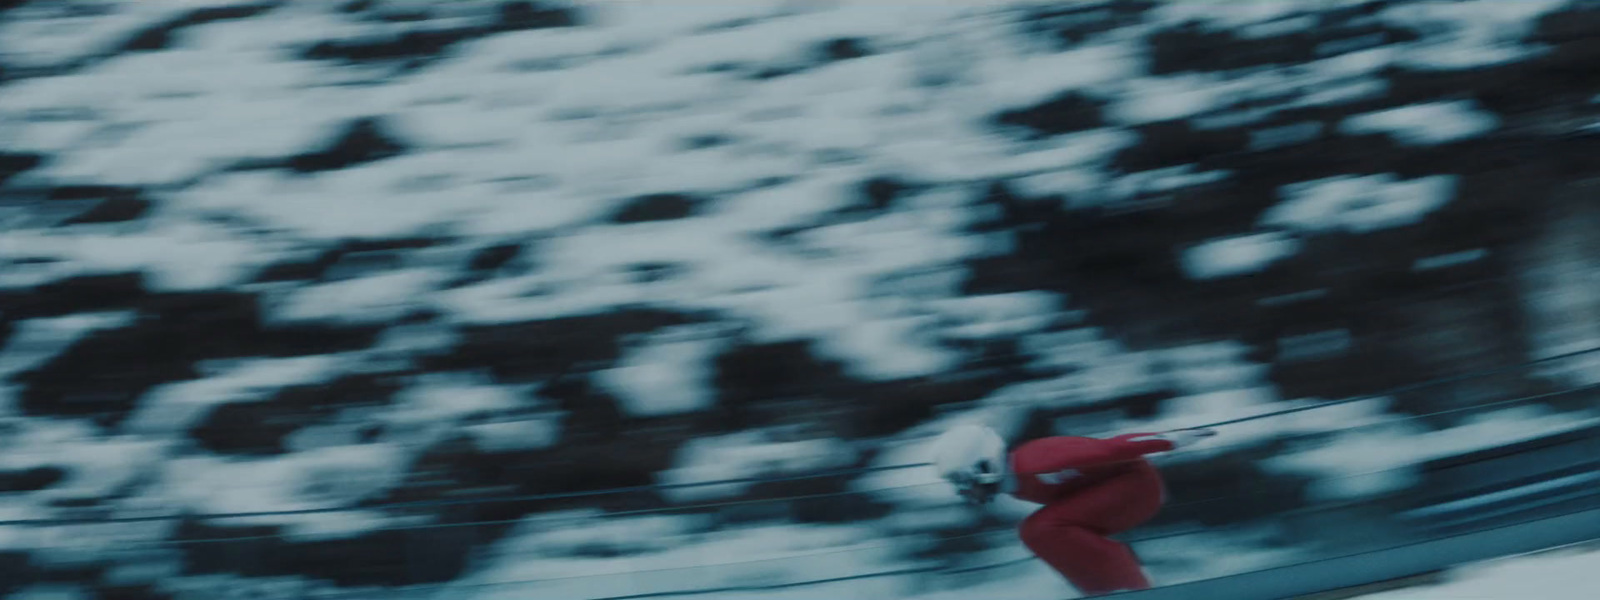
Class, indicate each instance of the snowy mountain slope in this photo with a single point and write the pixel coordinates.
(283, 257)
(1560, 573)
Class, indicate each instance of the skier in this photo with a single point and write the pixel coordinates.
(1090, 488)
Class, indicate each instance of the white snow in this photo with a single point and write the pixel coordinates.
(1146, 99)
(996, 315)
(1360, 460)
(544, 133)
(747, 556)
(173, 407)
(1360, 204)
(745, 455)
(1212, 367)
(1211, 407)
(1564, 574)
(1464, 35)
(1239, 255)
(1426, 124)
(438, 398)
(377, 298)
(664, 376)
(36, 341)
(323, 478)
(175, 255)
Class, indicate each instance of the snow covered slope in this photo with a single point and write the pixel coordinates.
(1565, 574)
(396, 287)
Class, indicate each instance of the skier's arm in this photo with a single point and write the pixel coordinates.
(1055, 455)
(1178, 439)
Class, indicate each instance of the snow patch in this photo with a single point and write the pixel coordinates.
(1474, 33)
(664, 376)
(1379, 457)
(1359, 204)
(379, 298)
(322, 478)
(174, 255)
(745, 455)
(173, 407)
(1425, 124)
(1239, 255)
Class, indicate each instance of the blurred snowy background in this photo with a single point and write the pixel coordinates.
(377, 298)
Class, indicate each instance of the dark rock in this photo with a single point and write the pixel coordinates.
(1194, 47)
(84, 293)
(1067, 112)
(592, 414)
(16, 571)
(363, 141)
(767, 384)
(421, 45)
(346, 257)
(260, 427)
(382, 558)
(30, 480)
(702, 142)
(658, 207)
(826, 499)
(653, 272)
(315, 338)
(1230, 489)
(774, 72)
(745, 371)
(843, 49)
(444, 474)
(494, 257)
(1174, 143)
(518, 15)
(879, 193)
(295, 270)
(103, 375)
(208, 324)
(92, 192)
(130, 592)
(1069, 25)
(405, 16)
(115, 210)
(13, 164)
(534, 351)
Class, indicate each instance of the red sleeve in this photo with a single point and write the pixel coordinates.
(1050, 455)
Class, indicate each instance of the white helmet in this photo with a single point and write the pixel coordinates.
(971, 456)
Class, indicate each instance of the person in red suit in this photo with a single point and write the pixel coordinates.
(1091, 489)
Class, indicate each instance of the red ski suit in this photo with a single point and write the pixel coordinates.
(1090, 488)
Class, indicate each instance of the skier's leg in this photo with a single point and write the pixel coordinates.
(1118, 504)
(1071, 534)
(1091, 562)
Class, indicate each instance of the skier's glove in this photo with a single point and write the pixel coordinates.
(979, 495)
(976, 493)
